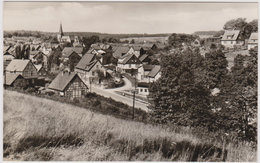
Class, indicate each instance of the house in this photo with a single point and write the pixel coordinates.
(253, 41)
(40, 57)
(72, 58)
(142, 88)
(231, 38)
(25, 68)
(89, 67)
(143, 71)
(154, 74)
(10, 78)
(212, 40)
(120, 51)
(69, 84)
(8, 56)
(138, 51)
(127, 63)
(145, 59)
(43, 75)
(68, 50)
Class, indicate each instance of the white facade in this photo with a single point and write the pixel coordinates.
(86, 75)
(143, 90)
(232, 43)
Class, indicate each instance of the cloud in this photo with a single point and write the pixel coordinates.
(124, 18)
(66, 12)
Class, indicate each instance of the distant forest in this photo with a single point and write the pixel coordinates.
(24, 33)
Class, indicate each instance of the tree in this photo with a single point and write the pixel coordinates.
(240, 24)
(216, 67)
(88, 41)
(176, 97)
(238, 97)
(235, 24)
(18, 52)
(104, 40)
(132, 41)
(254, 25)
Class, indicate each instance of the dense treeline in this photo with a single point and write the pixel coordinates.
(200, 91)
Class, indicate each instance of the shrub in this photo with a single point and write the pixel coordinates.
(20, 84)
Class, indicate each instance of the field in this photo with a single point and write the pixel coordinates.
(39, 129)
(146, 39)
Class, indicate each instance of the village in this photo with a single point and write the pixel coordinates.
(109, 69)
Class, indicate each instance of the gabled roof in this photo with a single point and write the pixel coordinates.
(6, 48)
(67, 55)
(253, 36)
(148, 67)
(120, 50)
(68, 50)
(17, 65)
(87, 62)
(143, 57)
(62, 80)
(234, 35)
(38, 67)
(127, 58)
(154, 71)
(10, 78)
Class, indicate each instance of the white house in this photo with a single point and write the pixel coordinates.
(253, 41)
(149, 73)
(88, 68)
(143, 88)
(127, 63)
(231, 38)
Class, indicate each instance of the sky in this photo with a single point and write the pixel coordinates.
(124, 17)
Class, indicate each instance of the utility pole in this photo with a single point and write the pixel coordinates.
(134, 95)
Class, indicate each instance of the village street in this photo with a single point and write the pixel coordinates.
(111, 93)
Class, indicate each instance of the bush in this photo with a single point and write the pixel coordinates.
(20, 84)
(96, 103)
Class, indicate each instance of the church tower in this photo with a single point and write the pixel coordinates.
(60, 33)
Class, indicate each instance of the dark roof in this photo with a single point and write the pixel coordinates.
(69, 54)
(17, 65)
(234, 35)
(148, 67)
(120, 50)
(143, 57)
(142, 84)
(68, 50)
(253, 36)
(62, 80)
(87, 61)
(127, 58)
(154, 71)
(10, 78)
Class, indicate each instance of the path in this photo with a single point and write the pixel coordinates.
(111, 93)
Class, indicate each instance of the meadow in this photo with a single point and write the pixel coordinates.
(40, 129)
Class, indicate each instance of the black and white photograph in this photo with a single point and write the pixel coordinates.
(170, 81)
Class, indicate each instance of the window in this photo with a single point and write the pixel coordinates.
(141, 90)
(129, 65)
(32, 81)
(145, 90)
(231, 42)
(93, 73)
(97, 66)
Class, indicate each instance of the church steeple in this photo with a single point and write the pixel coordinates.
(61, 31)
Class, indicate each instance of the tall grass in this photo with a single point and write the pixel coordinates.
(42, 129)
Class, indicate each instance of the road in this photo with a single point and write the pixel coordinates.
(111, 93)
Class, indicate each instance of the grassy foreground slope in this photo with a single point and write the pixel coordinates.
(38, 129)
